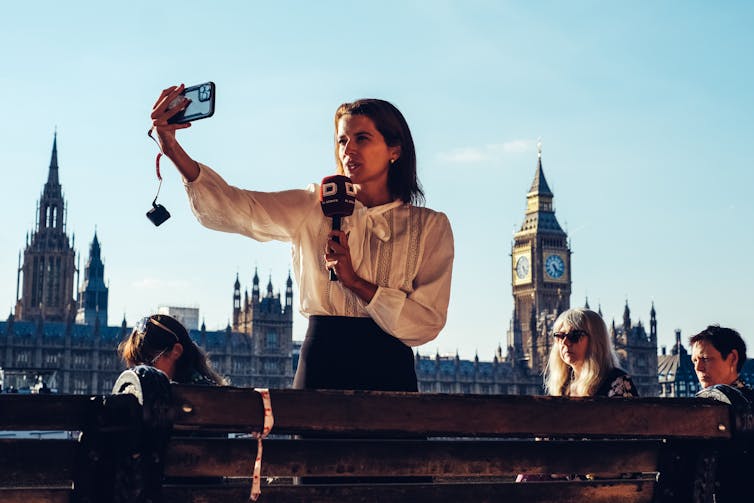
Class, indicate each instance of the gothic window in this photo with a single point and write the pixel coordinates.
(79, 361)
(272, 340)
(79, 385)
(271, 367)
(239, 366)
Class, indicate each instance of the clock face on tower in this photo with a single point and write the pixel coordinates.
(522, 267)
(554, 266)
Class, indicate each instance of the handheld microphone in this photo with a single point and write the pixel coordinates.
(338, 198)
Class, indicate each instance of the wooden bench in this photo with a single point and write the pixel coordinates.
(472, 447)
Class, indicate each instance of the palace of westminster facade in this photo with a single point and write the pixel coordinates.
(67, 343)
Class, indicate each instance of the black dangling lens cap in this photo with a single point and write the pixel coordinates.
(158, 214)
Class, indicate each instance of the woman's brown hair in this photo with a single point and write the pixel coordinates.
(158, 333)
(402, 180)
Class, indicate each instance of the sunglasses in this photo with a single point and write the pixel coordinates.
(574, 336)
(143, 327)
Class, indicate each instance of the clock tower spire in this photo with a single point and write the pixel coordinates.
(541, 265)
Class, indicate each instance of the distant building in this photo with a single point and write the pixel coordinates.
(675, 372)
(188, 316)
(637, 351)
(56, 342)
(541, 285)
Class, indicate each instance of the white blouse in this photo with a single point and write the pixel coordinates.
(407, 251)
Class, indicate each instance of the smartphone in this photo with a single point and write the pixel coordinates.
(202, 104)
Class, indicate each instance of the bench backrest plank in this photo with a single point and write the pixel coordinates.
(35, 495)
(191, 457)
(641, 491)
(372, 413)
(30, 462)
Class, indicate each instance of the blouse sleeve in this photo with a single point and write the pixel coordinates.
(263, 216)
(622, 387)
(417, 317)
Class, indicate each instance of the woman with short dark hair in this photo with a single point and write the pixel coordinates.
(718, 355)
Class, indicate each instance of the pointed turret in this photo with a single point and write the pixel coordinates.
(626, 318)
(52, 175)
(539, 184)
(255, 288)
(540, 214)
(288, 293)
(653, 323)
(236, 303)
(93, 294)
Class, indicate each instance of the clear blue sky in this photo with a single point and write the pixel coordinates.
(645, 110)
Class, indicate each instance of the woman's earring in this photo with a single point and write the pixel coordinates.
(392, 161)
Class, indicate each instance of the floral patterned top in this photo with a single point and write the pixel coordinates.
(617, 383)
(744, 388)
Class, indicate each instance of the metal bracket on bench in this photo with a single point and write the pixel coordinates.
(139, 472)
(124, 464)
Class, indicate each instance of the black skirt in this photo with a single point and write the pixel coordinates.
(341, 352)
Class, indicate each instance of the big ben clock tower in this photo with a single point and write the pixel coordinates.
(541, 266)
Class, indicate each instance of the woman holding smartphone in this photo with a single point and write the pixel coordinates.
(393, 258)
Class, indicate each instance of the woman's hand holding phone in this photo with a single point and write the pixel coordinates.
(161, 114)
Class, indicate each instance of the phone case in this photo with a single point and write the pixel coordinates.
(202, 104)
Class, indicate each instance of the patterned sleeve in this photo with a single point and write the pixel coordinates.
(622, 387)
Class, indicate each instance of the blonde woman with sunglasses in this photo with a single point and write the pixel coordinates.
(582, 363)
(582, 360)
(163, 342)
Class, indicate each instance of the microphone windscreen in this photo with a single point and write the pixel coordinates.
(337, 196)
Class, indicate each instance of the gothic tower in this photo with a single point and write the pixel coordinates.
(93, 295)
(49, 258)
(541, 265)
(289, 294)
(266, 321)
(236, 303)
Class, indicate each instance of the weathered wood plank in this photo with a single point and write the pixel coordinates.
(66, 412)
(31, 462)
(189, 457)
(625, 491)
(44, 412)
(35, 495)
(361, 412)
